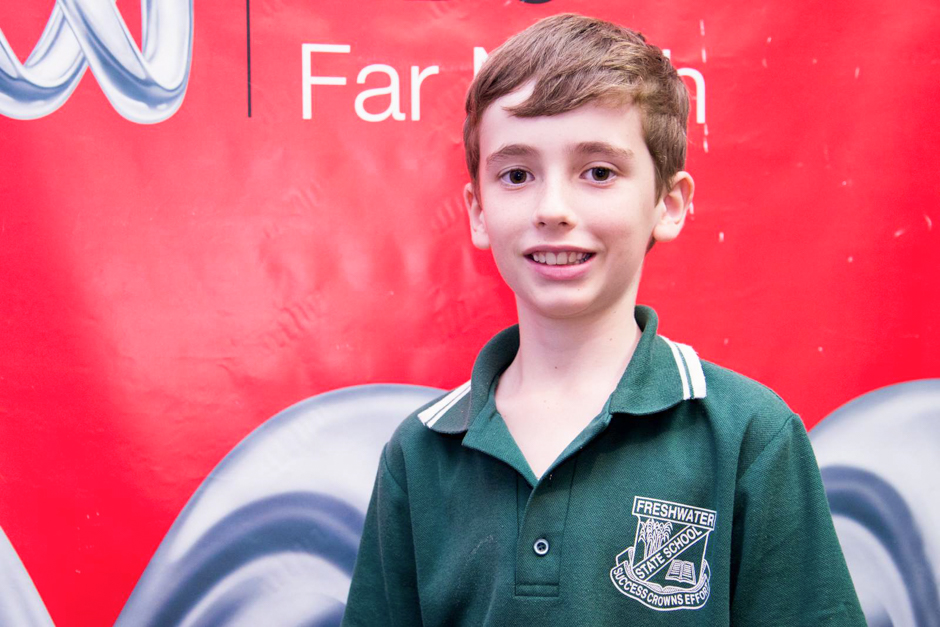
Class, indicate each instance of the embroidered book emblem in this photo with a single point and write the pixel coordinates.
(666, 569)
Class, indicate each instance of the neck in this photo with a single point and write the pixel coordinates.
(572, 354)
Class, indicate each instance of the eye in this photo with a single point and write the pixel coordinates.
(600, 174)
(515, 176)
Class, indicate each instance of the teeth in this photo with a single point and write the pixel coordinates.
(559, 259)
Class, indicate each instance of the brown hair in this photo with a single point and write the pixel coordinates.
(574, 60)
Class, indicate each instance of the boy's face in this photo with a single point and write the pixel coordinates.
(568, 204)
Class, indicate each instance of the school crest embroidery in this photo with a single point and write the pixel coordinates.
(666, 569)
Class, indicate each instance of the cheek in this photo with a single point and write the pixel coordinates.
(500, 243)
(503, 250)
(618, 230)
(502, 228)
(627, 241)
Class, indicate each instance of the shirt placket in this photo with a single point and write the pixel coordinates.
(543, 513)
(542, 505)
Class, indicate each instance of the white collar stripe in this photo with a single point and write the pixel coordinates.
(433, 413)
(681, 367)
(696, 374)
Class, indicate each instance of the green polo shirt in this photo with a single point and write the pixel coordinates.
(693, 498)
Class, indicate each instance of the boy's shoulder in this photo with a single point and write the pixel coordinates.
(667, 376)
(748, 412)
(664, 375)
(728, 388)
(450, 414)
(445, 415)
(741, 412)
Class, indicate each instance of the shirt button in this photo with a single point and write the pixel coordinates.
(540, 547)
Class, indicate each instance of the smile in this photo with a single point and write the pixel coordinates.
(571, 258)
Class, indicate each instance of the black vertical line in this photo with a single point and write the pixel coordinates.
(248, 29)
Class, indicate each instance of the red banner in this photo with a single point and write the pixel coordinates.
(213, 220)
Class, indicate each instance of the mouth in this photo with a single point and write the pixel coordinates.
(560, 258)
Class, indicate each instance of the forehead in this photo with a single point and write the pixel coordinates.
(620, 126)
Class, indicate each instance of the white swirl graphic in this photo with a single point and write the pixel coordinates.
(143, 86)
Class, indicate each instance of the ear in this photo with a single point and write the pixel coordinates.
(478, 235)
(673, 207)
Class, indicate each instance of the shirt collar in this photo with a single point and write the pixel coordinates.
(661, 374)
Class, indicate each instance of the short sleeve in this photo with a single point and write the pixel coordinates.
(787, 565)
(384, 583)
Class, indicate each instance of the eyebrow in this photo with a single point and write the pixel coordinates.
(603, 149)
(510, 151)
(584, 149)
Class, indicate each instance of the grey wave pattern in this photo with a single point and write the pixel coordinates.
(270, 538)
(879, 457)
(145, 86)
(20, 603)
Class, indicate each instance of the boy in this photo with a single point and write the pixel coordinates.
(592, 472)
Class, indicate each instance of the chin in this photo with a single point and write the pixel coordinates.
(583, 303)
(561, 309)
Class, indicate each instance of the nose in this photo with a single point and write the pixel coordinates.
(554, 207)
